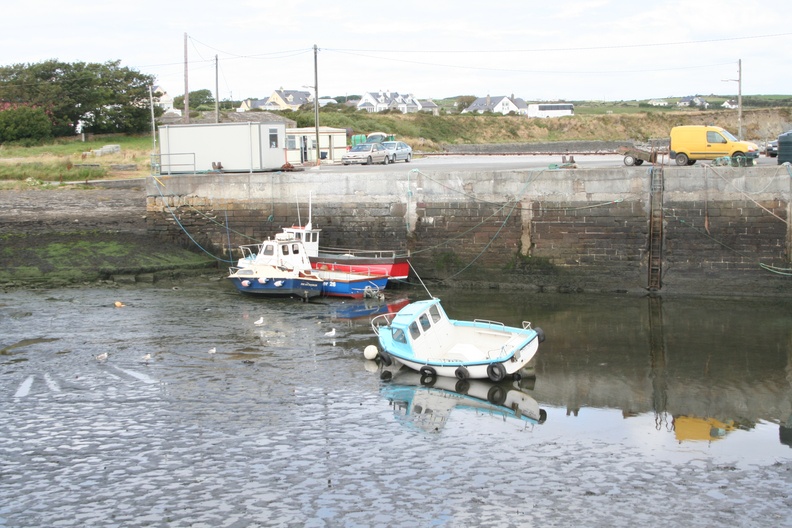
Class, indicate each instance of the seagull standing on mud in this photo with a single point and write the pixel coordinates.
(259, 321)
(331, 333)
(102, 357)
(212, 350)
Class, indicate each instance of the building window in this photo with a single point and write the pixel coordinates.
(273, 137)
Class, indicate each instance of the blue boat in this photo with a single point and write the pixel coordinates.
(276, 268)
(423, 338)
(282, 267)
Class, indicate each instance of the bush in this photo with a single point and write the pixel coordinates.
(24, 124)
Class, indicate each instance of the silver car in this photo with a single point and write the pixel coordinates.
(398, 150)
(366, 154)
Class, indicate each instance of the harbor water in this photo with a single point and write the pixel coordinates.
(671, 411)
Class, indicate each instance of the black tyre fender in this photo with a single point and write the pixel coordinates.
(427, 380)
(496, 372)
(386, 359)
(462, 373)
(462, 387)
(540, 334)
(496, 395)
(428, 371)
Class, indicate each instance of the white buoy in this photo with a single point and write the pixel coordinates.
(370, 352)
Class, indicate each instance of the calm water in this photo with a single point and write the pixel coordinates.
(672, 410)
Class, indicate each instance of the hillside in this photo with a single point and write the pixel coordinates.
(430, 133)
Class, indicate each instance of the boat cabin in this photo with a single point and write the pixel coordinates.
(285, 251)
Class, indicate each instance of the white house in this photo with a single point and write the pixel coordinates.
(693, 101)
(387, 100)
(162, 99)
(499, 104)
(657, 102)
(731, 104)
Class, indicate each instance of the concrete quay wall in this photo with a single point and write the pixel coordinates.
(725, 229)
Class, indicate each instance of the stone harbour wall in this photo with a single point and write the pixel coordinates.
(725, 230)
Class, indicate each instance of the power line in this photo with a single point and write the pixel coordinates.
(582, 48)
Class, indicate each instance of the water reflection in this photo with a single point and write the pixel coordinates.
(426, 402)
(701, 368)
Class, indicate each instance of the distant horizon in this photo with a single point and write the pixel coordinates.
(579, 50)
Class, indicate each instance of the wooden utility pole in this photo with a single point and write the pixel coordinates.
(739, 99)
(316, 103)
(186, 87)
(217, 94)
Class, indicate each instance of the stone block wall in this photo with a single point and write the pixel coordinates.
(578, 230)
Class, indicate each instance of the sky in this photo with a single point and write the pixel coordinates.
(569, 50)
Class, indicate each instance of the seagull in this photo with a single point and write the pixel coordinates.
(102, 357)
(119, 304)
(331, 333)
(213, 350)
(147, 357)
(259, 321)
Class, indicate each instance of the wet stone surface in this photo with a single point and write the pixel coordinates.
(283, 426)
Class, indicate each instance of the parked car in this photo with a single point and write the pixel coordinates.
(398, 150)
(366, 154)
(772, 149)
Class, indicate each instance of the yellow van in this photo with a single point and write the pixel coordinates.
(695, 142)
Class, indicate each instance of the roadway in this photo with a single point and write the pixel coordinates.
(506, 162)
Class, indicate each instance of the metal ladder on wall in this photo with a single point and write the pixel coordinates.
(656, 228)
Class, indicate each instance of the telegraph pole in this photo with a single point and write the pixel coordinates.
(316, 102)
(739, 99)
(186, 89)
(217, 94)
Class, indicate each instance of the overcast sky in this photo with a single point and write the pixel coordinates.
(564, 50)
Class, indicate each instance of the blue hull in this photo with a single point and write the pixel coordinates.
(355, 289)
(302, 288)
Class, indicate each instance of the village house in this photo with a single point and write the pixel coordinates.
(499, 104)
(386, 100)
(731, 104)
(693, 101)
(279, 100)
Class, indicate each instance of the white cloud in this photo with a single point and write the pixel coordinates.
(587, 49)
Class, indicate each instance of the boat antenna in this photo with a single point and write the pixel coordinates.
(308, 225)
(421, 280)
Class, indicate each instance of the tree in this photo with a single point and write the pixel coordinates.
(97, 96)
(464, 101)
(197, 98)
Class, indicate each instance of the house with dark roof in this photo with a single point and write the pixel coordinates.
(279, 100)
(499, 104)
(693, 101)
(387, 100)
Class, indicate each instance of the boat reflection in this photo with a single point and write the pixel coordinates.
(427, 402)
(364, 308)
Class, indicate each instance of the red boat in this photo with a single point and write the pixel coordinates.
(364, 261)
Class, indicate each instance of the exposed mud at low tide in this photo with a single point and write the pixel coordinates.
(284, 426)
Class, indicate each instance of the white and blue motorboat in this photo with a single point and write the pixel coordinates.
(423, 338)
(277, 268)
(282, 267)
